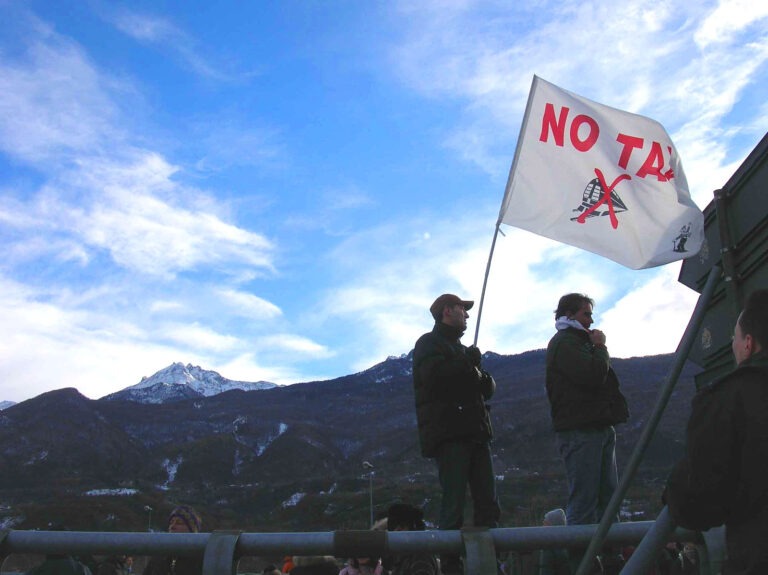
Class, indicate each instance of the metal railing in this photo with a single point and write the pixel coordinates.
(221, 550)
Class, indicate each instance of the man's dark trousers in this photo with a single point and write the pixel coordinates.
(462, 463)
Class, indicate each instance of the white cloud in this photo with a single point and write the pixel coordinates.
(162, 306)
(154, 30)
(300, 347)
(249, 305)
(121, 209)
(246, 367)
(53, 103)
(62, 339)
(196, 336)
(146, 28)
(650, 319)
(51, 346)
(728, 19)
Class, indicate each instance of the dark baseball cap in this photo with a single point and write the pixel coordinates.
(448, 299)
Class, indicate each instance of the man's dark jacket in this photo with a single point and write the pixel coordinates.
(450, 391)
(723, 478)
(582, 387)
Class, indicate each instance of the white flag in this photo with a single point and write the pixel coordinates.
(600, 179)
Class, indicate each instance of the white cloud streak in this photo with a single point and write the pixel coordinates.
(53, 103)
(162, 33)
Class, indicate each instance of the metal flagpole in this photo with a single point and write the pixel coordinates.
(485, 283)
(504, 204)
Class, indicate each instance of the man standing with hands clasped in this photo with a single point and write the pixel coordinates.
(451, 389)
(585, 404)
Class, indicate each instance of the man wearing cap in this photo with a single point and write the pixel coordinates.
(451, 389)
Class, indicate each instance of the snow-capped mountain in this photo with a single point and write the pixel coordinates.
(6, 404)
(179, 381)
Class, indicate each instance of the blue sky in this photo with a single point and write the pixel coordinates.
(278, 190)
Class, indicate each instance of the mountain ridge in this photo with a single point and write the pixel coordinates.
(179, 381)
(289, 457)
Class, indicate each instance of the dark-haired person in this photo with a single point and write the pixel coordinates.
(451, 390)
(585, 404)
(723, 478)
(406, 517)
(183, 519)
(60, 564)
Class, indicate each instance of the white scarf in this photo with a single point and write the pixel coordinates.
(564, 322)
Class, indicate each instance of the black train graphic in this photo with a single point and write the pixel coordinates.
(593, 193)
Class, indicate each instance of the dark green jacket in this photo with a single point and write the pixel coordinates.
(723, 478)
(582, 388)
(450, 392)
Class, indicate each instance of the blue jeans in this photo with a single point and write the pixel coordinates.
(590, 466)
(462, 463)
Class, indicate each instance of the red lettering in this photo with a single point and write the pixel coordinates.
(556, 125)
(630, 143)
(653, 164)
(670, 173)
(589, 141)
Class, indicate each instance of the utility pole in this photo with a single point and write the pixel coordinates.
(369, 466)
(148, 509)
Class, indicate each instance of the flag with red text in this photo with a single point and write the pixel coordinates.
(601, 179)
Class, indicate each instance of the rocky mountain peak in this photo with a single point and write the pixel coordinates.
(179, 381)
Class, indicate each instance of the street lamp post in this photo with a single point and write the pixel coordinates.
(148, 509)
(369, 466)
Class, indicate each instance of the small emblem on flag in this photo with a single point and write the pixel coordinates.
(679, 242)
(591, 198)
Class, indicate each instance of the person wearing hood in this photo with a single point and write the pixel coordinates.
(454, 424)
(183, 519)
(553, 561)
(723, 477)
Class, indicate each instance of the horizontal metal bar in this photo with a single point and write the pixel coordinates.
(319, 543)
